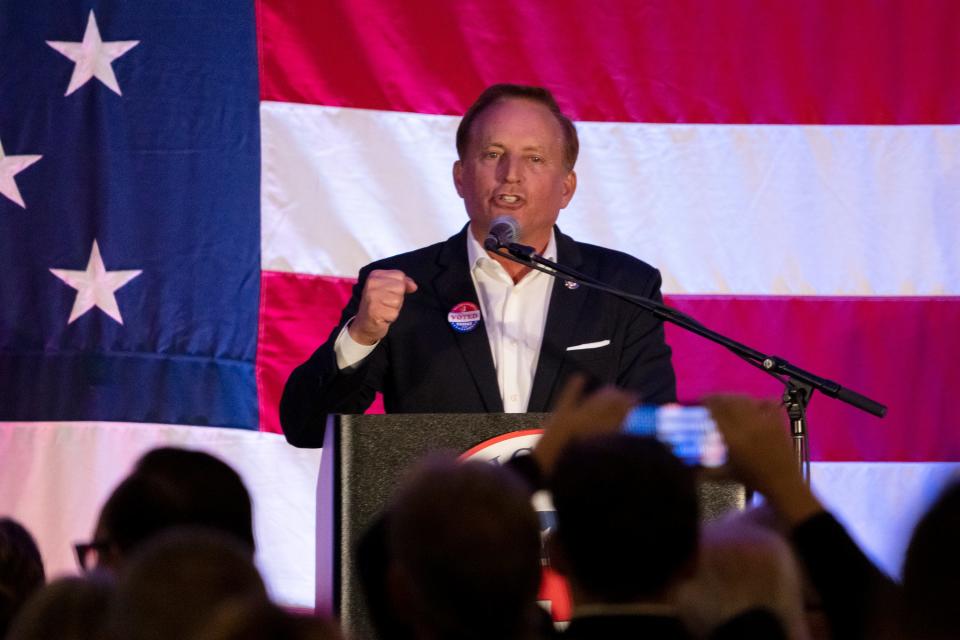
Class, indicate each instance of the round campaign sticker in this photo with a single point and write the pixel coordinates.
(464, 317)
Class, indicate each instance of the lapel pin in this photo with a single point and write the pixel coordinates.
(464, 317)
(570, 284)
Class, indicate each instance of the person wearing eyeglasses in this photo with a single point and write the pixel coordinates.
(168, 488)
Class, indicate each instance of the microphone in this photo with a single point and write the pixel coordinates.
(504, 231)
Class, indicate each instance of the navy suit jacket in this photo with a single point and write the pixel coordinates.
(424, 366)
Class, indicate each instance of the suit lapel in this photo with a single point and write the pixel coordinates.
(562, 316)
(452, 286)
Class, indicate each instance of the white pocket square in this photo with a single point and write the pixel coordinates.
(588, 345)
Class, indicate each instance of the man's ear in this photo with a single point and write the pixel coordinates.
(569, 188)
(458, 177)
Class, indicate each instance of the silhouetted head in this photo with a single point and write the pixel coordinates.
(627, 518)
(73, 608)
(465, 547)
(931, 570)
(21, 569)
(175, 582)
(242, 620)
(212, 491)
(171, 488)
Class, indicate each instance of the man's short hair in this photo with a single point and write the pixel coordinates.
(746, 575)
(172, 487)
(72, 607)
(500, 92)
(468, 539)
(213, 493)
(175, 581)
(627, 516)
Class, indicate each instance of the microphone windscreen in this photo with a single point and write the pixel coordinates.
(504, 230)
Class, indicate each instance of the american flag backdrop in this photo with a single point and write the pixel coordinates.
(187, 190)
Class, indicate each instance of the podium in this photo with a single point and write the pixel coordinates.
(364, 456)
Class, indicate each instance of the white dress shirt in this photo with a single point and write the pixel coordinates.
(515, 316)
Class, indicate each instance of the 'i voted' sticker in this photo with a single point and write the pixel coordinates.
(464, 317)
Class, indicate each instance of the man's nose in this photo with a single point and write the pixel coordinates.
(510, 169)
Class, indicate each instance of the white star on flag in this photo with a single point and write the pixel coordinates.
(93, 57)
(96, 286)
(9, 167)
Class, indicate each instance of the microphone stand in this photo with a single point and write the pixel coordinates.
(799, 384)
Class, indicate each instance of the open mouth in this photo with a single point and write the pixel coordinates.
(509, 199)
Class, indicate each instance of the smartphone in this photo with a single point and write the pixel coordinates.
(688, 430)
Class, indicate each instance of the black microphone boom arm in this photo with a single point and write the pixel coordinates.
(799, 382)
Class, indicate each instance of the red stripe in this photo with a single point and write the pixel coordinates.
(297, 313)
(740, 61)
(899, 351)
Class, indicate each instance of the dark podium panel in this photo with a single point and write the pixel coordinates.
(363, 459)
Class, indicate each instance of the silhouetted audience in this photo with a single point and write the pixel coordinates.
(457, 553)
(464, 546)
(171, 558)
(626, 535)
(746, 574)
(212, 493)
(175, 582)
(372, 561)
(577, 415)
(168, 488)
(66, 609)
(931, 571)
(21, 570)
(243, 620)
(859, 600)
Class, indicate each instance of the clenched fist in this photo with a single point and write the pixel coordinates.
(380, 304)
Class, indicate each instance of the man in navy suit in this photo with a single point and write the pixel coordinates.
(453, 328)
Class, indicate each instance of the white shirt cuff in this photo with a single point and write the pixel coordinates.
(349, 352)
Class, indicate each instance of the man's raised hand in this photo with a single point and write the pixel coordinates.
(579, 415)
(380, 304)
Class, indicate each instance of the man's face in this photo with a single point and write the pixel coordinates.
(514, 165)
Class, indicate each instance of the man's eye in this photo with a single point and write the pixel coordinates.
(493, 155)
(536, 159)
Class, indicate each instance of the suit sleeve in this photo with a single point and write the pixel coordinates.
(645, 365)
(318, 387)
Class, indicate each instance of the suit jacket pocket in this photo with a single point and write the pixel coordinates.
(589, 351)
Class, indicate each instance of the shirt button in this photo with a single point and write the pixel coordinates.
(513, 398)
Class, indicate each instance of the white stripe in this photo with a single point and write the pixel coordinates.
(341, 187)
(56, 477)
(807, 210)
